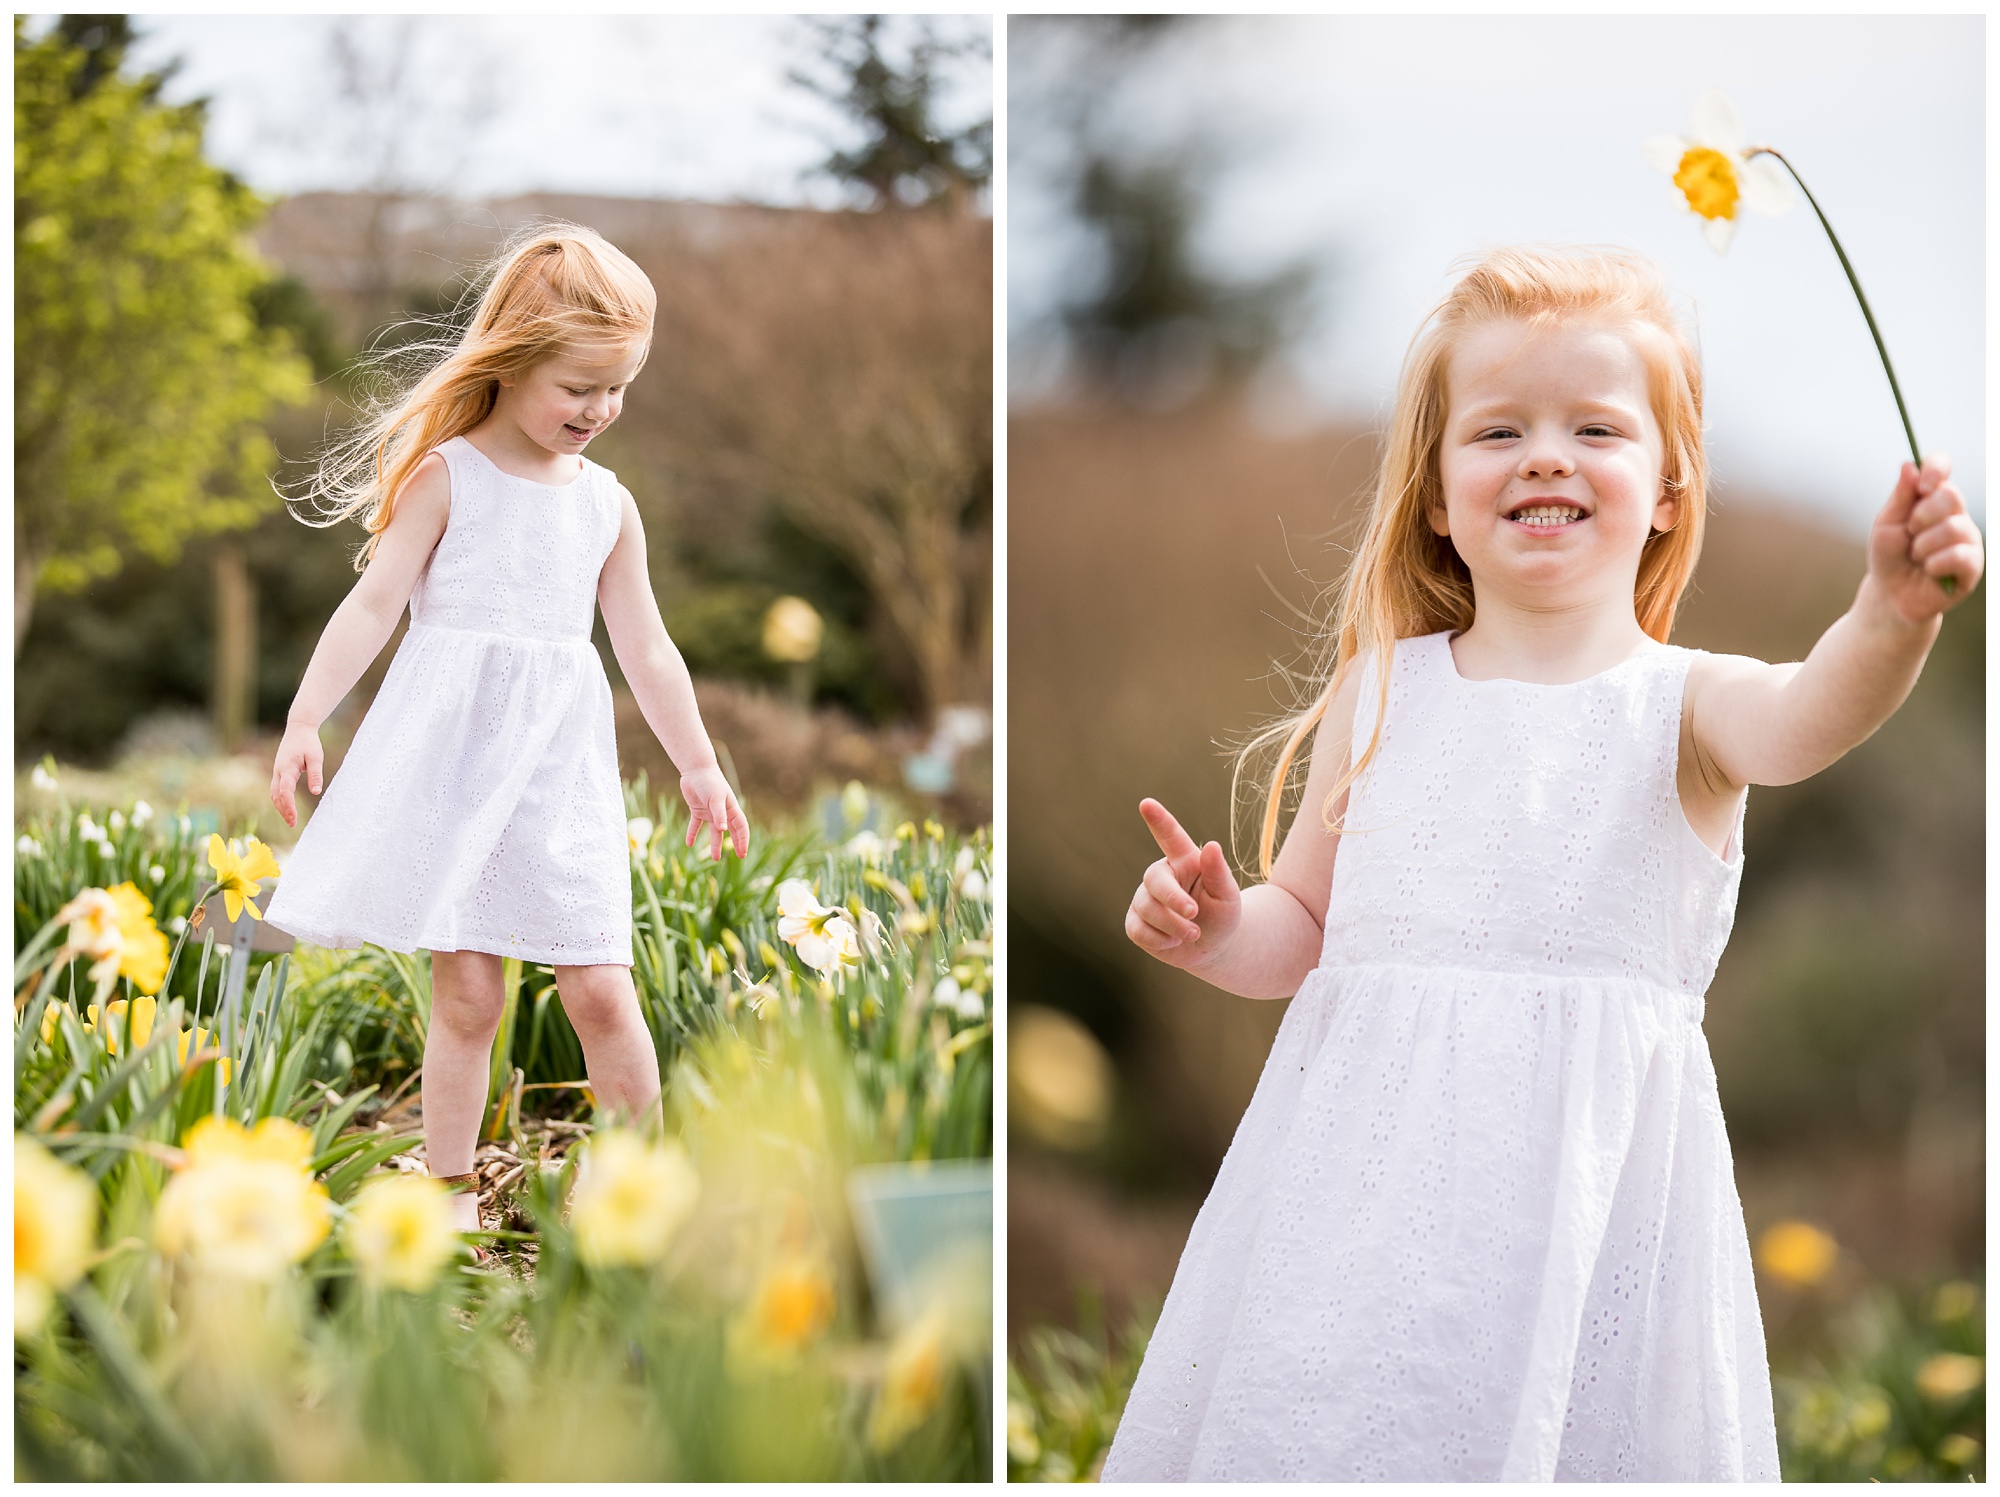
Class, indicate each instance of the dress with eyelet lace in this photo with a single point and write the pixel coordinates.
(1480, 1220)
(479, 806)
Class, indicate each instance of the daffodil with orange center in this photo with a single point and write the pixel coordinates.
(1715, 175)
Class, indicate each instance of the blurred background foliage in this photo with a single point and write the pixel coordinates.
(814, 421)
(1169, 542)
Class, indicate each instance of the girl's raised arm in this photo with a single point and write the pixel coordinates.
(1749, 723)
(361, 625)
(661, 685)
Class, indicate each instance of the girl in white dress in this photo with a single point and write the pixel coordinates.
(478, 812)
(1480, 1220)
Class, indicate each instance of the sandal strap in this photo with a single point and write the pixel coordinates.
(469, 1179)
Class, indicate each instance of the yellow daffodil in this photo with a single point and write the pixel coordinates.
(790, 1308)
(55, 1228)
(1950, 1375)
(245, 1205)
(146, 948)
(400, 1232)
(631, 1197)
(92, 918)
(823, 936)
(239, 876)
(198, 1039)
(913, 1382)
(1714, 175)
(1797, 1253)
(50, 1020)
(142, 1012)
(275, 1140)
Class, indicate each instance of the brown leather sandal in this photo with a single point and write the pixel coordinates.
(469, 1183)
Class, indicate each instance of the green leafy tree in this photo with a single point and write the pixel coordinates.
(142, 369)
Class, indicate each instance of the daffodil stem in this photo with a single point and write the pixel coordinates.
(1859, 295)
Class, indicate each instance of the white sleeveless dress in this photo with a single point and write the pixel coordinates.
(1480, 1220)
(479, 807)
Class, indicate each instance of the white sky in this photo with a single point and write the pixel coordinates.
(1386, 147)
(629, 105)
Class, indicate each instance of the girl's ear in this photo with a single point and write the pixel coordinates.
(1666, 511)
(1440, 521)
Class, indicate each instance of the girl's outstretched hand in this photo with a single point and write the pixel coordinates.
(298, 750)
(1923, 536)
(1188, 903)
(711, 801)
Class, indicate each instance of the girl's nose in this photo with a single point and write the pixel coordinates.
(1546, 459)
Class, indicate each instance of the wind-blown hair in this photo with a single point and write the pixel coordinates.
(555, 288)
(1405, 579)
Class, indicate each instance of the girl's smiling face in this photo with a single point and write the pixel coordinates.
(561, 403)
(1550, 461)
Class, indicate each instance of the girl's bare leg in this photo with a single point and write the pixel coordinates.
(466, 1001)
(603, 1008)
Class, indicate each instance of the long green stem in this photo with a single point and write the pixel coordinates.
(1948, 584)
(1859, 295)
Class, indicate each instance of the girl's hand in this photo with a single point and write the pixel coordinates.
(1188, 904)
(299, 749)
(1922, 537)
(711, 801)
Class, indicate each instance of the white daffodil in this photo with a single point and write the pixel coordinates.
(823, 936)
(141, 813)
(27, 846)
(89, 830)
(639, 836)
(1715, 175)
(41, 779)
(868, 847)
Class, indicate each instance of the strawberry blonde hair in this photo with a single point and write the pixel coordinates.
(1405, 579)
(554, 288)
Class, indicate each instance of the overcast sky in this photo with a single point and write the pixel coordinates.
(634, 105)
(1382, 148)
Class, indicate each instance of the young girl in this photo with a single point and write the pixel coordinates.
(1479, 1220)
(478, 812)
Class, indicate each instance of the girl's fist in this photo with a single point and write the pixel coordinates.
(1924, 552)
(711, 801)
(1187, 905)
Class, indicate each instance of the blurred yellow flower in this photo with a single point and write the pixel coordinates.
(1950, 1375)
(1797, 1253)
(278, 1140)
(1958, 1450)
(792, 630)
(238, 877)
(912, 1382)
(55, 1228)
(143, 946)
(790, 1308)
(143, 1011)
(1954, 1301)
(400, 1232)
(92, 918)
(199, 1039)
(1023, 1446)
(631, 1197)
(1714, 173)
(50, 1020)
(241, 1214)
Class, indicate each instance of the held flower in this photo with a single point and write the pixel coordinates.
(630, 1199)
(1715, 174)
(237, 875)
(55, 1227)
(400, 1232)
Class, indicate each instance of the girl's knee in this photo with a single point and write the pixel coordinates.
(467, 992)
(596, 997)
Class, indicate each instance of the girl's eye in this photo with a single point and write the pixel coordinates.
(1498, 431)
(1598, 429)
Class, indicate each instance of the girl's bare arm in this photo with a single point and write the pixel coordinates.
(1750, 723)
(1262, 941)
(361, 625)
(661, 685)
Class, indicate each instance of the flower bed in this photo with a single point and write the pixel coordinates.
(228, 1267)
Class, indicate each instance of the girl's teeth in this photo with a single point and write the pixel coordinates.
(1548, 515)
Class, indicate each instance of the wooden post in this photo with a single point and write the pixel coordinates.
(235, 704)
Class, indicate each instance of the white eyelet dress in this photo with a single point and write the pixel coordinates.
(479, 807)
(1480, 1219)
